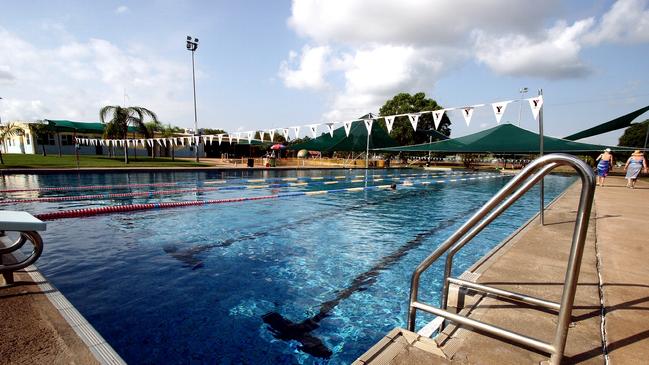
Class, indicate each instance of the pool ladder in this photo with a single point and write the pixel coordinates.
(508, 195)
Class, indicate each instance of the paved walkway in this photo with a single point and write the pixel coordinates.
(534, 262)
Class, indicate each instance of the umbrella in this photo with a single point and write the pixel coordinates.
(277, 147)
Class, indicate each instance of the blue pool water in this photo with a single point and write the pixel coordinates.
(194, 284)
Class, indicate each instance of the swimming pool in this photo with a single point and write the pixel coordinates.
(303, 279)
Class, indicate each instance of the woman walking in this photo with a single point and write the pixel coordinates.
(634, 164)
(604, 164)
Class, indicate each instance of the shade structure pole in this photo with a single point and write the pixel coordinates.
(542, 207)
(367, 151)
(646, 136)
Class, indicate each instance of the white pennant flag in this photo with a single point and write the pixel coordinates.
(414, 119)
(250, 135)
(348, 127)
(499, 109)
(261, 135)
(271, 133)
(297, 132)
(238, 137)
(142, 142)
(437, 117)
(285, 133)
(197, 140)
(314, 129)
(159, 141)
(211, 138)
(536, 103)
(368, 125)
(330, 128)
(220, 138)
(467, 113)
(164, 142)
(389, 121)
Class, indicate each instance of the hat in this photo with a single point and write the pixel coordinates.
(637, 153)
(608, 150)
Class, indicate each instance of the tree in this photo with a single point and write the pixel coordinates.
(40, 132)
(168, 132)
(402, 129)
(121, 118)
(634, 136)
(7, 131)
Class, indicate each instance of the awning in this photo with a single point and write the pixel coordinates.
(615, 124)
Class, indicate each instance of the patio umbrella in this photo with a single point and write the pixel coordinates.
(277, 147)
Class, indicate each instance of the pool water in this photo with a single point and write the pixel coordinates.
(300, 280)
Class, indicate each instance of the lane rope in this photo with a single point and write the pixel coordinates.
(197, 190)
(86, 212)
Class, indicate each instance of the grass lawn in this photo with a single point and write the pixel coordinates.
(69, 161)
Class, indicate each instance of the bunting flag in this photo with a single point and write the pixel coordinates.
(414, 119)
(368, 125)
(330, 128)
(164, 142)
(211, 138)
(261, 135)
(220, 138)
(467, 113)
(238, 137)
(250, 135)
(297, 131)
(499, 109)
(314, 130)
(182, 141)
(271, 133)
(437, 117)
(389, 121)
(348, 127)
(536, 103)
(159, 141)
(142, 142)
(285, 133)
(197, 140)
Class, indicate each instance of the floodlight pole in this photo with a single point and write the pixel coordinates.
(542, 210)
(520, 104)
(192, 45)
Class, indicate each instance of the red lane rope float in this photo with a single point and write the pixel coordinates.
(148, 206)
(89, 187)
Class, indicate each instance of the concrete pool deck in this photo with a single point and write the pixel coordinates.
(533, 262)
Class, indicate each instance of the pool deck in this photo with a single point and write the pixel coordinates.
(533, 262)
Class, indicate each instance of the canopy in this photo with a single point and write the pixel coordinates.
(615, 124)
(80, 127)
(505, 138)
(355, 142)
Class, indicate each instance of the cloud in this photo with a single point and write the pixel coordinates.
(554, 55)
(121, 9)
(73, 80)
(626, 22)
(309, 72)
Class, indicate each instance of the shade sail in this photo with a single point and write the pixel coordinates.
(615, 124)
(80, 127)
(505, 138)
(355, 142)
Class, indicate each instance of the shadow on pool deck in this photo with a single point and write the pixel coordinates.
(533, 262)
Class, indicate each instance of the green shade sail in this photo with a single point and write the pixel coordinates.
(615, 124)
(505, 138)
(355, 142)
(80, 127)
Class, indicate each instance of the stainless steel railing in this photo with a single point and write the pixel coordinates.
(7, 269)
(508, 195)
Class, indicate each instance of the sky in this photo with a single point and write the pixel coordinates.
(273, 64)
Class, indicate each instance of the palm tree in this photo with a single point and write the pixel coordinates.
(7, 131)
(122, 117)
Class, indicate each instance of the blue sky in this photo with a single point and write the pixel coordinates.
(270, 64)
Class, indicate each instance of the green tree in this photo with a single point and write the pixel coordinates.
(7, 131)
(40, 131)
(121, 118)
(402, 129)
(634, 136)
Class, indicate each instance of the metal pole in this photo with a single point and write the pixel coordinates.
(195, 114)
(367, 151)
(542, 208)
(646, 136)
(520, 104)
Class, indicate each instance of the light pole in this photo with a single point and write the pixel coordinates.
(192, 45)
(520, 104)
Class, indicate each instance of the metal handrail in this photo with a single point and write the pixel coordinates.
(8, 269)
(509, 194)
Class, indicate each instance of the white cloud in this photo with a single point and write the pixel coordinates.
(73, 80)
(626, 22)
(121, 9)
(554, 55)
(309, 72)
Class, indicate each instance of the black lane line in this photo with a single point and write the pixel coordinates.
(188, 256)
(285, 329)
